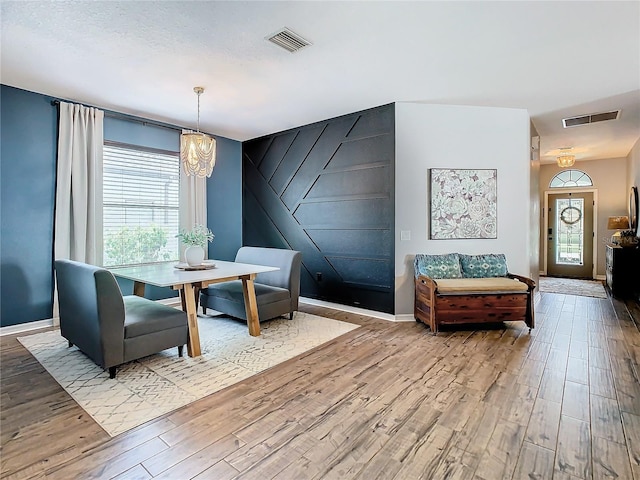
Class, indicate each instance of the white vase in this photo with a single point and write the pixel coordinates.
(194, 255)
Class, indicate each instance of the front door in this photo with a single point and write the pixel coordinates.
(570, 235)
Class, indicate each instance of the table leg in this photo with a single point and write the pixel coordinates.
(193, 347)
(138, 289)
(182, 300)
(251, 306)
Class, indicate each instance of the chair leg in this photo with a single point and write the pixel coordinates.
(112, 372)
(180, 350)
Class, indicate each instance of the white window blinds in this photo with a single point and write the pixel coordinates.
(141, 192)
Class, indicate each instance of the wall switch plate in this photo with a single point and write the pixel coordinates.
(405, 235)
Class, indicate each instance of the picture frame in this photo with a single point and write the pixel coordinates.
(463, 203)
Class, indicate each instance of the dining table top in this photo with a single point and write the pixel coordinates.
(168, 274)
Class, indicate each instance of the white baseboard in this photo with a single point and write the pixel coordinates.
(405, 317)
(26, 327)
(55, 322)
(171, 301)
(175, 301)
(351, 309)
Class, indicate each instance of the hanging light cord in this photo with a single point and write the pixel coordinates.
(198, 91)
(198, 124)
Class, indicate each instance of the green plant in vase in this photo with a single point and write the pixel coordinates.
(197, 239)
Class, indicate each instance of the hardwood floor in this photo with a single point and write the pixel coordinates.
(386, 401)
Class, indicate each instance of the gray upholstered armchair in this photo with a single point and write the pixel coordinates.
(277, 292)
(107, 327)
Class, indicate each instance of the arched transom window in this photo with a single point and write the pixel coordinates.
(571, 178)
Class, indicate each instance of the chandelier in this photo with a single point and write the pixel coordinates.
(565, 160)
(197, 150)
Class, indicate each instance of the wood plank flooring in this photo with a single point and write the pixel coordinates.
(386, 401)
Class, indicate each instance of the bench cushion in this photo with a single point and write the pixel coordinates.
(482, 266)
(438, 266)
(460, 286)
(233, 291)
(144, 317)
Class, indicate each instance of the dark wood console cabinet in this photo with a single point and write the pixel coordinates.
(622, 270)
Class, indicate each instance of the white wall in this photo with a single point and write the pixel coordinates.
(534, 213)
(633, 166)
(633, 175)
(633, 169)
(445, 136)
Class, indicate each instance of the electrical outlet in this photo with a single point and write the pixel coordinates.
(405, 235)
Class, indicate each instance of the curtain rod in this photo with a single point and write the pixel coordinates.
(125, 116)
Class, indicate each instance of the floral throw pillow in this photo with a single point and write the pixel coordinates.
(482, 266)
(438, 266)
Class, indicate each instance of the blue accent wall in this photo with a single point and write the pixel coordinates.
(224, 200)
(141, 134)
(27, 193)
(28, 134)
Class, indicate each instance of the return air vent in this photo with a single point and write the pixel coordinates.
(290, 41)
(593, 118)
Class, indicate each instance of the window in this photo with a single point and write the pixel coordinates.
(571, 178)
(141, 190)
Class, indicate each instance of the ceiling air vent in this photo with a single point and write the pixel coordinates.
(290, 41)
(593, 118)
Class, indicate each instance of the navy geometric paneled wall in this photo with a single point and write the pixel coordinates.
(327, 189)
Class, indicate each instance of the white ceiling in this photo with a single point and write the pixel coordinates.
(555, 59)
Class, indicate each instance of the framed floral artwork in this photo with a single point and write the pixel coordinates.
(463, 203)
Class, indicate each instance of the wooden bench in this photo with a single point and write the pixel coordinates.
(460, 300)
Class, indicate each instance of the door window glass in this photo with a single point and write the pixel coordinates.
(569, 231)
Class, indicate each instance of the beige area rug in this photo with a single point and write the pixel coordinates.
(572, 286)
(155, 385)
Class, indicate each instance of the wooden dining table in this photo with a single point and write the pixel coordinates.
(189, 282)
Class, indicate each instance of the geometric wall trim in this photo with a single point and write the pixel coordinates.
(327, 189)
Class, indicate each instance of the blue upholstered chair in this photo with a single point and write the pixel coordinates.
(107, 327)
(277, 292)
